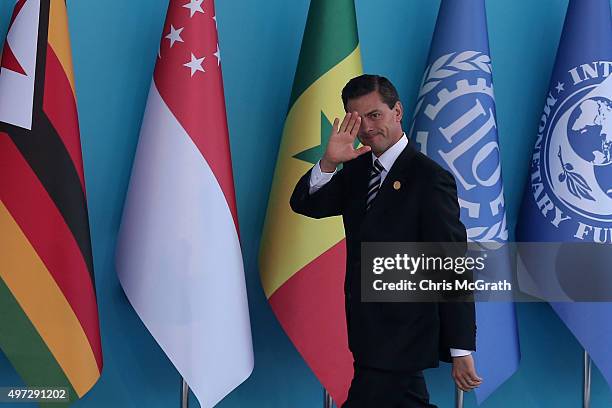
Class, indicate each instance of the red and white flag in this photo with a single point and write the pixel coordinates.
(178, 254)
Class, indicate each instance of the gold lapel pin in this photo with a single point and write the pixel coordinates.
(397, 185)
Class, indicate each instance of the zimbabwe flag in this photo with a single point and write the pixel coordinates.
(302, 260)
(48, 314)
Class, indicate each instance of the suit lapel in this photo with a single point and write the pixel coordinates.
(358, 173)
(396, 173)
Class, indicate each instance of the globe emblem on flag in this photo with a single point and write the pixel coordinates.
(590, 130)
(590, 135)
(578, 156)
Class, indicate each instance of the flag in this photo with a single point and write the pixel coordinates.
(300, 257)
(455, 124)
(568, 196)
(178, 255)
(49, 327)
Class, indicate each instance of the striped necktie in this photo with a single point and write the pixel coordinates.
(374, 183)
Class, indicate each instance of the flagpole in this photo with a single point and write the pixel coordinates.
(184, 394)
(328, 402)
(586, 380)
(458, 398)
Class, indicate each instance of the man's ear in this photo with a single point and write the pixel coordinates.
(399, 111)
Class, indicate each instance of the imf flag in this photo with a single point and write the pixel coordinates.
(568, 197)
(455, 125)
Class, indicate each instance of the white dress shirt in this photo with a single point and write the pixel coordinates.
(318, 179)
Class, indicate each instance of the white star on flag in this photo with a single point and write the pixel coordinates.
(194, 6)
(559, 87)
(218, 55)
(195, 64)
(174, 35)
(215, 18)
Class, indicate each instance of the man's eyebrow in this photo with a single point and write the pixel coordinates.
(371, 112)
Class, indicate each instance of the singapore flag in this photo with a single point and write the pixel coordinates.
(178, 256)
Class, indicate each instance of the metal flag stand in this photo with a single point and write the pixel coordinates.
(328, 402)
(458, 398)
(184, 394)
(586, 380)
(586, 384)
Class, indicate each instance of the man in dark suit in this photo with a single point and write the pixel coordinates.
(387, 191)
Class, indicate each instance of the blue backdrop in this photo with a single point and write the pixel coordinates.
(114, 46)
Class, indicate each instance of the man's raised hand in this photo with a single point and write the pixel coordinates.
(340, 147)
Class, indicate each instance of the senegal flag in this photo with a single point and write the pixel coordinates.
(302, 260)
(49, 327)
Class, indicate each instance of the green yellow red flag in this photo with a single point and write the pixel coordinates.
(301, 259)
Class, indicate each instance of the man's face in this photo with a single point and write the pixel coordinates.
(380, 125)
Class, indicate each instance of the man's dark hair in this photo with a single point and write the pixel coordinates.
(365, 84)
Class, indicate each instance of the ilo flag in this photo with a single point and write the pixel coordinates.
(178, 256)
(49, 327)
(568, 197)
(455, 125)
(300, 256)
